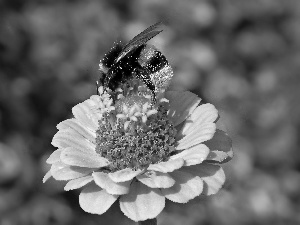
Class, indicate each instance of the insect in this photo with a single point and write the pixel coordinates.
(134, 60)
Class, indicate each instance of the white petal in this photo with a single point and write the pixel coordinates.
(199, 127)
(186, 187)
(111, 187)
(220, 146)
(54, 157)
(201, 134)
(78, 183)
(168, 166)
(212, 175)
(47, 176)
(77, 127)
(142, 202)
(75, 157)
(156, 179)
(95, 200)
(94, 103)
(86, 115)
(206, 113)
(61, 171)
(182, 104)
(194, 155)
(124, 175)
(69, 138)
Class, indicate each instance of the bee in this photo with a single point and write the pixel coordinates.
(135, 60)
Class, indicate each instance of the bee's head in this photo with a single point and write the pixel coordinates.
(107, 62)
(110, 57)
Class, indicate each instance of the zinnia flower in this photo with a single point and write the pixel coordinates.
(140, 153)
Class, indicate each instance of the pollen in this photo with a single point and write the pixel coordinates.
(134, 134)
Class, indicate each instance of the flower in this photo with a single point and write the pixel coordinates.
(141, 153)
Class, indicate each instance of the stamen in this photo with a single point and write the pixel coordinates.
(119, 96)
(148, 96)
(125, 109)
(145, 107)
(133, 118)
(151, 112)
(126, 124)
(144, 118)
(121, 116)
(119, 90)
(132, 133)
(164, 100)
(132, 110)
(137, 114)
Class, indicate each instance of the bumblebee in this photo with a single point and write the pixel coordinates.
(136, 60)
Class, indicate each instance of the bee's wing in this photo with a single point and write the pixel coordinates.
(140, 39)
(149, 33)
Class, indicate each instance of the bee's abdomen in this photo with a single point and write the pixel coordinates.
(157, 62)
(152, 59)
(160, 70)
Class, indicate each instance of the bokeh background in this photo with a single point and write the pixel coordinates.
(243, 56)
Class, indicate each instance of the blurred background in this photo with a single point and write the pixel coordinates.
(243, 56)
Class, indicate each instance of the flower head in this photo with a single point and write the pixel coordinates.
(126, 148)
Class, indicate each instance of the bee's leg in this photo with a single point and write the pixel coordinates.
(153, 99)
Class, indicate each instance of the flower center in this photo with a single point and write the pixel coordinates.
(135, 133)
